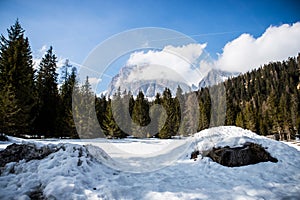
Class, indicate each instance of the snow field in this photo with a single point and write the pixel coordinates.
(98, 175)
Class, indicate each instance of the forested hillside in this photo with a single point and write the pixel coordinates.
(265, 100)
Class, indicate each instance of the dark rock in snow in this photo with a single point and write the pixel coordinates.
(17, 152)
(195, 154)
(3, 137)
(37, 194)
(249, 153)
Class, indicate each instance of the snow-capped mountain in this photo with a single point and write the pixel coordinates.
(140, 78)
(216, 76)
(152, 81)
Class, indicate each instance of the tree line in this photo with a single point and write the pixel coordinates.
(265, 100)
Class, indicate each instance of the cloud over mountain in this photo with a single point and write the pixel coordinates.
(171, 63)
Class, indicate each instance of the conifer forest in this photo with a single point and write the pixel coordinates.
(37, 102)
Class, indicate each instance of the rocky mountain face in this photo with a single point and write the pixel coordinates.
(215, 76)
(131, 79)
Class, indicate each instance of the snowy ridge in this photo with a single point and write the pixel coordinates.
(215, 77)
(134, 79)
(62, 176)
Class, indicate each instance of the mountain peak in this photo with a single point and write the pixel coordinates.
(154, 79)
(216, 76)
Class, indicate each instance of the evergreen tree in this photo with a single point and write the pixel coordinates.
(168, 128)
(178, 104)
(48, 99)
(84, 113)
(204, 109)
(100, 106)
(249, 117)
(109, 125)
(240, 120)
(191, 115)
(120, 113)
(17, 89)
(66, 125)
(140, 116)
(155, 112)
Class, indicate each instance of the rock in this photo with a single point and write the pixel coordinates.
(195, 154)
(249, 153)
(3, 137)
(17, 152)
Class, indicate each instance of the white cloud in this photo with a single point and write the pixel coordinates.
(94, 80)
(43, 49)
(171, 63)
(246, 52)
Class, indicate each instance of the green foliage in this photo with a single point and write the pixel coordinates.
(110, 127)
(17, 92)
(66, 126)
(140, 115)
(265, 100)
(84, 113)
(48, 98)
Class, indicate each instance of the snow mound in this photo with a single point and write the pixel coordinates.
(80, 171)
(58, 176)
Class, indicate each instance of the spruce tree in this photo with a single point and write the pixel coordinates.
(84, 112)
(110, 127)
(120, 113)
(155, 112)
(168, 128)
(69, 87)
(17, 87)
(140, 116)
(191, 115)
(48, 98)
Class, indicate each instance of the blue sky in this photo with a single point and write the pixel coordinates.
(74, 28)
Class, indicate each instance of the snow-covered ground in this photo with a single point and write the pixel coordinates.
(105, 170)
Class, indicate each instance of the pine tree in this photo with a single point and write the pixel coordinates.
(109, 125)
(140, 116)
(100, 106)
(155, 111)
(48, 98)
(178, 104)
(84, 113)
(16, 82)
(66, 125)
(249, 117)
(240, 120)
(294, 112)
(120, 113)
(191, 115)
(204, 109)
(168, 128)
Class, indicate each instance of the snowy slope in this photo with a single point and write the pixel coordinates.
(60, 177)
(140, 78)
(215, 77)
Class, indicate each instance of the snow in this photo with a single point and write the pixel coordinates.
(105, 170)
(295, 144)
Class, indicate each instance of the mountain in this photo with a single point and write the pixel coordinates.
(152, 81)
(216, 76)
(140, 78)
